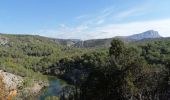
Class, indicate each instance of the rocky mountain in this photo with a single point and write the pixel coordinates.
(150, 34)
(144, 35)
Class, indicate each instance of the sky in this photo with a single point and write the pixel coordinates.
(84, 19)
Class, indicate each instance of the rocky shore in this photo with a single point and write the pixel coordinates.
(15, 83)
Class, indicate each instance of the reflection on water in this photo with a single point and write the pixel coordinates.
(55, 86)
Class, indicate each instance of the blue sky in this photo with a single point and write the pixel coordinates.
(84, 19)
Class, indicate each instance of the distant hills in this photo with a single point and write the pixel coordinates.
(150, 34)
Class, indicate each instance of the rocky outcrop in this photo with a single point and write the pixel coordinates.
(14, 85)
(3, 40)
(35, 88)
(11, 81)
(145, 35)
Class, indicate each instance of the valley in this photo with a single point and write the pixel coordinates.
(83, 69)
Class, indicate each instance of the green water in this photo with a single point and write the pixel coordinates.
(55, 86)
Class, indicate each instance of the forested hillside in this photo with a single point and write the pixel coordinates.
(124, 71)
(28, 56)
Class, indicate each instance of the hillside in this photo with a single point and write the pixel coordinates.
(26, 56)
(92, 43)
(137, 69)
(150, 34)
(33, 57)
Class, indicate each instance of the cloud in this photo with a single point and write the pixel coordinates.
(124, 29)
(89, 21)
(102, 25)
(100, 22)
(65, 32)
(96, 18)
(131, 12)
(82, 17)
(110, 30)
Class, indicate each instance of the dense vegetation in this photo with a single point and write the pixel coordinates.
(24, 55)
(125, 71)
(27, 56)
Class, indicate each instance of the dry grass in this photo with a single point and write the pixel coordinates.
(2, 89)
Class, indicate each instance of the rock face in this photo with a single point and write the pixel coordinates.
(35, 88)
(3, 41)
(145, 35)
(11, 81)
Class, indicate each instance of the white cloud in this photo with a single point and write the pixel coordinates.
(96, 25)
(82, 17)
(124, 29)
(130, 12)
(65, 32)
(100, 22)
(111, 30)
(89, 21)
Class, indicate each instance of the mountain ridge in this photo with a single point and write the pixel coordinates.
(150, 34)
(144, 35)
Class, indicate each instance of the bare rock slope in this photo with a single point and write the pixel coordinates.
(11, 81)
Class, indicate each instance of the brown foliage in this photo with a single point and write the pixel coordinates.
(2, 89)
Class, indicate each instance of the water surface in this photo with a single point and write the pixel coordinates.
(55, 86)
